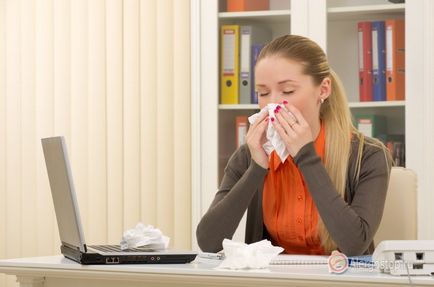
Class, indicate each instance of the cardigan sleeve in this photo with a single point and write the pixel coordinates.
(241, 179)
(353, 226)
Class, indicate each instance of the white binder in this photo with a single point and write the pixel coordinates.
(249, 35)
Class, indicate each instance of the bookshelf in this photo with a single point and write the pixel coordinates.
(278, 21)
(333, 25)
(342, 50)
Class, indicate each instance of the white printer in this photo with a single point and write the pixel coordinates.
(405, 257)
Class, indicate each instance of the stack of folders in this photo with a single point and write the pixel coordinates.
(240, 47)
(382, 60)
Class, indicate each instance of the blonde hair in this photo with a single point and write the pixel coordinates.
(334, 112)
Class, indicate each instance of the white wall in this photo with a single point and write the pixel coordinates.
(113, 77)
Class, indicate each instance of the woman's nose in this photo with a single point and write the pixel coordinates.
(275, 97)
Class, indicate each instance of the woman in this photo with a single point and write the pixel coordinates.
(330, 192)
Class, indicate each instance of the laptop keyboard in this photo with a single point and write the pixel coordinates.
(117, 248)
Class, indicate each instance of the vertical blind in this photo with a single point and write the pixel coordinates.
(113, 77)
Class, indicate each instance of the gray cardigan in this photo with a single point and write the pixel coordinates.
(351, 221)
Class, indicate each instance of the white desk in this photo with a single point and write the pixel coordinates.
(58, 271)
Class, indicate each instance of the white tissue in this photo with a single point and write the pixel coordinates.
(274, 141)
(239, 255)
(144, 236)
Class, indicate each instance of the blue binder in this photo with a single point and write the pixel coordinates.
(378, 61)
(256, 49)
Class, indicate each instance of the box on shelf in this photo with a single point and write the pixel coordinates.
(374, 126)
(247, 5)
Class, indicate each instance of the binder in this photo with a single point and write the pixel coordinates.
(241, 125)
(247, 5)
(250, 35)
(395, 59)
(378, 61)
(230, 64)
(365, 61)
(256, 49)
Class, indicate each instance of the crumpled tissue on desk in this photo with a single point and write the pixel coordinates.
(144, 236)
(240, 255)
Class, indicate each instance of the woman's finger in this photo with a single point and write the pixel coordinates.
(287, 116)
(281, 131)
(283, 122)
(298, 116)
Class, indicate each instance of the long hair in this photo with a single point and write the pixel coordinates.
(334, 112)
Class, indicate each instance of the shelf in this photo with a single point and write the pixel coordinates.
(269, 16)
(360, 12)
(382, 104)
(239, 107)
(354, 105)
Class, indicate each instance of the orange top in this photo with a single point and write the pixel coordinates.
(290, 214)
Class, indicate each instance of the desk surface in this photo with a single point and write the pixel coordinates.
(199, 273)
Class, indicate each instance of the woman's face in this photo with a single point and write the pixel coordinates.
(278, 79)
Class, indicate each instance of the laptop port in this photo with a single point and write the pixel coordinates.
(112, 260)
(419, 255)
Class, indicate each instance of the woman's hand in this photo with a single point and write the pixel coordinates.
(256, 137)
(292, 128)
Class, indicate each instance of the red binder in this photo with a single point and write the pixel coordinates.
(241, 124)
(395, 59)
(365, 61)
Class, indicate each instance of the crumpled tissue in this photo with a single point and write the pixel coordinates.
(144, 236)
(240, 255)
(274, 141)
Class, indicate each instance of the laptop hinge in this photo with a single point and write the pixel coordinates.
(75, 247)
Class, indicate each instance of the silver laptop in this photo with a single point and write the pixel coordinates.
(68, 219)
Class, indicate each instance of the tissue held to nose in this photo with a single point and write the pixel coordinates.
(274, 141)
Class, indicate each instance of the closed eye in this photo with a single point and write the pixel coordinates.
(288, 92)
(263, 94)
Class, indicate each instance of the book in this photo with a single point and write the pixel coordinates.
(397, 151)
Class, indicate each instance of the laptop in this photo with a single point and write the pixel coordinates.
(69, 222)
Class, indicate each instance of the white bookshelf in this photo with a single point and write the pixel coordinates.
(270, 16)
(352, 105)
(366, 11)
(333, 25)
(382, 104)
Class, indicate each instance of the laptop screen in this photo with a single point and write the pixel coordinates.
(63, 193)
